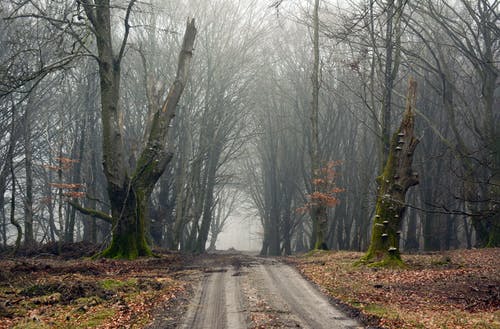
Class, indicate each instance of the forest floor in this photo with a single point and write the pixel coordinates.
(54, 287)
(453, 289)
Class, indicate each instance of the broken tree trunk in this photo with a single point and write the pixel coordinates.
(395, 180)
(129, 203)
(129, 190)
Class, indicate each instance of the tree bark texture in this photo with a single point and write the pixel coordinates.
(397, 177)
(128, 190)
(129, 209)
(388, 81)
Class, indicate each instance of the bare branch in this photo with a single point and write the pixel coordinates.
(91, 212)
(127, 31)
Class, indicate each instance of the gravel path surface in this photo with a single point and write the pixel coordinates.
(253, 292)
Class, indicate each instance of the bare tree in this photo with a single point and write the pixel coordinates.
(129, 192)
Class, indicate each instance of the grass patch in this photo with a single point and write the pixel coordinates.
(382, 311)
(115, 284)
(97, 317)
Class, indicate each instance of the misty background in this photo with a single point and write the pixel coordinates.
(241, 137)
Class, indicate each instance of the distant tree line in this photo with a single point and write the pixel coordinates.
(87, 81)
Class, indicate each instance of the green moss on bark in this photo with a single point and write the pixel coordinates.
(129, 231)
(396, 178)
(384, 246)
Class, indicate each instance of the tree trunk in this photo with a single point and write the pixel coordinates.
(60, 203)
(209, 197)
(274, 232)
(388, 82)
(29, 239)
(394, 182)
(300, 246)
(129, 193)
(411, 243)
(216, 225)
(75, 179)
(213, 240)
(13, 220)
(321, 227)
(50, 208)
(318, 213)
(180, 200)
(4, 176)
(90, 224)
(159, 228)
(129, 202)
(129, 231)
(265, 244)
(287, 228)
(10, 159)
(3, 185)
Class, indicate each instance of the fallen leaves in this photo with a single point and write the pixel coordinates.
(456, 289)
(55, 293)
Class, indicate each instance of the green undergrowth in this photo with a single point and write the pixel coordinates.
(114, 284)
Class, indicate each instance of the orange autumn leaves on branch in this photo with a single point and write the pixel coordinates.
(63, 163)
(71, 190)
(325, 188)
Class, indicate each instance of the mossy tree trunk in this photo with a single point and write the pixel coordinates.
(129, 210)
(129, 189)
(395, 180)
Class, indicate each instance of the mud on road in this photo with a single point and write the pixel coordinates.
(238, 291)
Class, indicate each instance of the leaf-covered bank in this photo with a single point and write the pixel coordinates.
(49, 292)
(455, 289)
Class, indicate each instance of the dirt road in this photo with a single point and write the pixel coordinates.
(239, 291)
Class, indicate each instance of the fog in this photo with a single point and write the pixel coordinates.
(272, 126)
(241, 234)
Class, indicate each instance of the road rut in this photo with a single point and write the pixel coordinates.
(257, 292)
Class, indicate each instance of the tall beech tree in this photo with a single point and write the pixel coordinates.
(395, 180)
(129, 189)
(318, 212)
